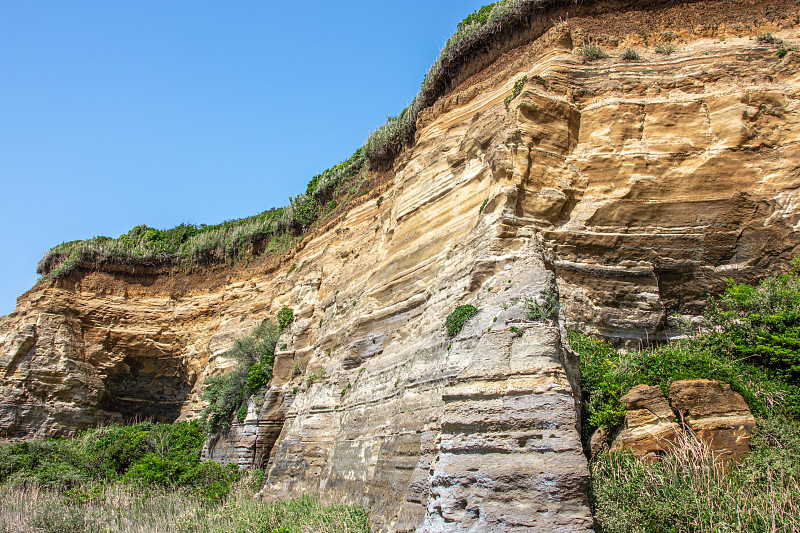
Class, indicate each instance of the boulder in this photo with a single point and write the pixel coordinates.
(650, 429)
(718, 415)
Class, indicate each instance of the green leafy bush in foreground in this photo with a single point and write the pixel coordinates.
(166, 455)
(123, 508)
(456, 320)
(227, 394)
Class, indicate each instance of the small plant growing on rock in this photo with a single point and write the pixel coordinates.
(516, 331)
(543, 311)
(379, 201)
(591, 52)
(630, 55)
(456, 320)
(767, 38)
(318, 375)
(665, 48)
(518, 86)
(483, 205)
(285, 317)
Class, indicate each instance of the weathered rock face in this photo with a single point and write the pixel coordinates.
(709, 409)
(650, 430)
(716, 414)
(626, 190)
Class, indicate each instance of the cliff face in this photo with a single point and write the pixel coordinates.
(626, 190)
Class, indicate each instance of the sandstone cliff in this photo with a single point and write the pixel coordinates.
(627, 189)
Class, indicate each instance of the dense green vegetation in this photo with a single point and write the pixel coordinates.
(749, 339)
(228, 393)
(165, 455)
(278, 229)
(688, 492)
(456, 320)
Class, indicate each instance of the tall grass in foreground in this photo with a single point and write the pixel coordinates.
(126, 509)
(688, 491)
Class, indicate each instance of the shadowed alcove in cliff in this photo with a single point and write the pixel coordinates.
(148, 388)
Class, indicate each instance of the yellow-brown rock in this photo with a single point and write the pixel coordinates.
(650, 430)
(629, 190)
(718, 416)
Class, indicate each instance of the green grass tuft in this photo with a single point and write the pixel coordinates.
(456, 320)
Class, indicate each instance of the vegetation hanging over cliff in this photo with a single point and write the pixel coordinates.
(277, 229)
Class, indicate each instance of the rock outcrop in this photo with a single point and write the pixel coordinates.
(710, 411)
(650, 430)
(718, 416)
(624, 190)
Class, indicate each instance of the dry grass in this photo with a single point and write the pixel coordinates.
(126, 509)
(690, 490)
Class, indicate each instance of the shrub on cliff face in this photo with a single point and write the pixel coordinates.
(285, 317)
(456, 320)
(255, 355)
(591, 52)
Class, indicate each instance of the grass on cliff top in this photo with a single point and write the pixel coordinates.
(275, 230)
(751, 340)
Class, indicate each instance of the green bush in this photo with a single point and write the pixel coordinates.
(478, 17)
(518, 86)
(750, 345)
(255, 355)
(167, 455)
(285, 317)
(630, 55)
(761, 324)
(456, 320)
(753, 344)
(665, 48)
(607, 375)
(687, 491)
(591, 52)
(543, 311)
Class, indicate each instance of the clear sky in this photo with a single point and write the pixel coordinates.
(114, 114)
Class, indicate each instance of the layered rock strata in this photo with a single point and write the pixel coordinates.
(624, 190)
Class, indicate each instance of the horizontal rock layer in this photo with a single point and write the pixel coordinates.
(624, 190)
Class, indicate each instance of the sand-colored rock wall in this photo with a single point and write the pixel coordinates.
(625, 190)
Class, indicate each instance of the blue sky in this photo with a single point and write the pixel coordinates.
(115, 114)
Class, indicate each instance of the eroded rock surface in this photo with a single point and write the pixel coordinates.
(625, 190)
(718, 415)
(650, 430)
